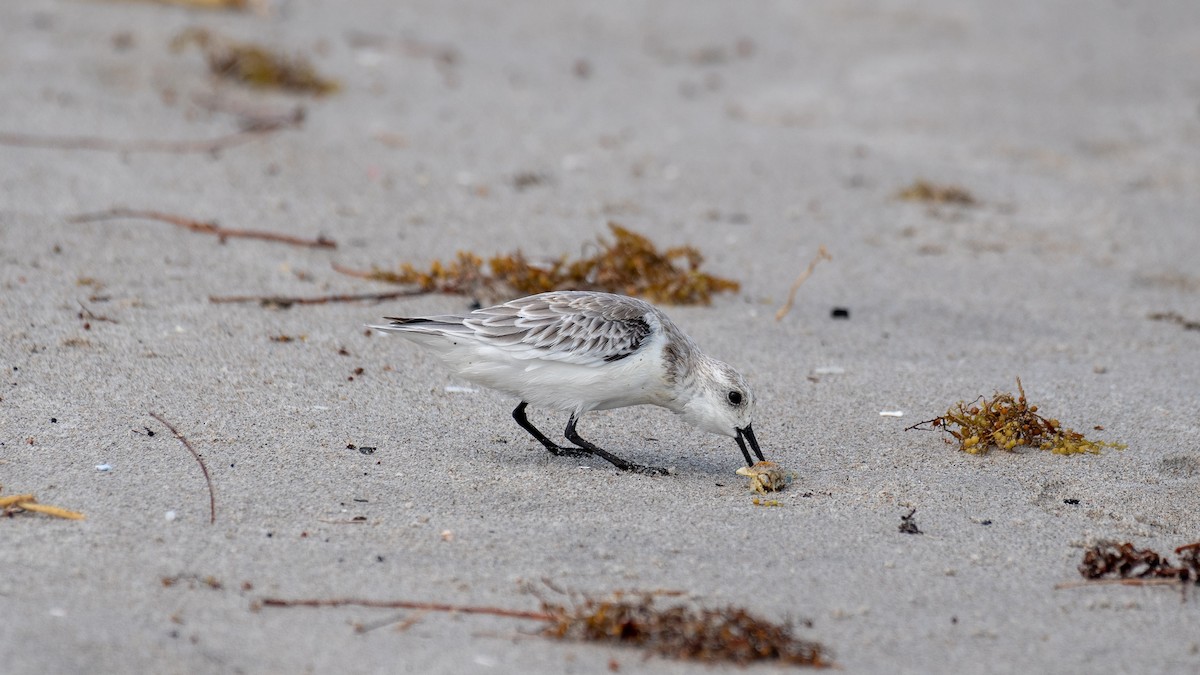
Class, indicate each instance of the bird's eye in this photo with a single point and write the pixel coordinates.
(735, 397)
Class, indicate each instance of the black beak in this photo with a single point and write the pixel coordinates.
(744, 435)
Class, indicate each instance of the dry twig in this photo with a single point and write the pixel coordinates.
(182, 147)
(14, 504)
(203, 227)
(88, 315)
(822, 254)
(251, 117)
(679, 631)
(406, 604)
(1175, 318)
(212, 498)
(286, 301)
(237, 5)
(1116, 582)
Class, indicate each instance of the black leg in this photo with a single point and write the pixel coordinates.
(519, 416)
(621, 464)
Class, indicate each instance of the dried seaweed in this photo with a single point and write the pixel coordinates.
(255, 66)
(630, 264)
(1007, 422)
(681, 631)
(925, 191)
(1108, 559)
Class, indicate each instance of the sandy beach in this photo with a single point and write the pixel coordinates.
(350, 465)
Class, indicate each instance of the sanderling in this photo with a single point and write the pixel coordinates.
(578, 351)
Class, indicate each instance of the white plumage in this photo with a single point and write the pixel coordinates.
(580, 350)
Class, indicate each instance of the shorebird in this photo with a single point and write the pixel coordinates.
(578, 351)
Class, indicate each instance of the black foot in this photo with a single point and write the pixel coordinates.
(621, 464)
(584, 449)
(554, 448)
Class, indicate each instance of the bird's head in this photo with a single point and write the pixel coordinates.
(721, 403)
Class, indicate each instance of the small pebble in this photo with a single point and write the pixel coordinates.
(104, 467)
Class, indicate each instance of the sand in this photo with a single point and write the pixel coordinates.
(756, 133)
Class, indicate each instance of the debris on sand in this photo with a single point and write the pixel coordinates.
(679, 630)
(682, 631)
(15, 504)
(766, 476)
(255, 66)
(908, 523)
(630, 264)
(1005, 421)
(925, 191)
(1108, 559)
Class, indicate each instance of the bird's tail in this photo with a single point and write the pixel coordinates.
(428, 325)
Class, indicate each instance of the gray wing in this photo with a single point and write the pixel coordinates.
(579, 327)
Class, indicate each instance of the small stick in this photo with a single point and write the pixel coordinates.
(361, 274)
(406, 621)
(285, 301)
(50, 510)
(249, 117)
(109, 145)
(203, 227)
(89, 314)
(29, 503)
(407, 604)
(212, 499)
(822, 254)
(259, 127)
(1118, 582)
(13, 500)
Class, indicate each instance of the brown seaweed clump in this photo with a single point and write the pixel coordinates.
(255, 66)
(1123, 561)
(1005, 421)
(681, 631)
(630, 264)
(925, 191)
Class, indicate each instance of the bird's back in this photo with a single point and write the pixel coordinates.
(567, 349)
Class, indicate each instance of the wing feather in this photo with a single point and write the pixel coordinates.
(570, 326)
